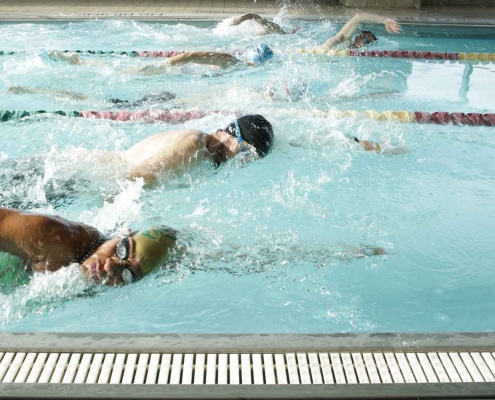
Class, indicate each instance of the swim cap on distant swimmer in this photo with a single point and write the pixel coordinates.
(153, 245)
(258, 54)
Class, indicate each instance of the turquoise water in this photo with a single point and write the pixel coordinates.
(281, 244)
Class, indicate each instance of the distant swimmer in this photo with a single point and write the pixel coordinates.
(363, 38)
(250, 56)
(48, 243)
(267, 26)
(149, 99)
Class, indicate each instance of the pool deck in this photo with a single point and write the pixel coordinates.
(153, 10)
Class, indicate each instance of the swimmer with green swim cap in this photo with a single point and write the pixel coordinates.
(47, 243)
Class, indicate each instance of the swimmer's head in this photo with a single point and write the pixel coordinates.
(254, 130)
(258, 54)
(128, 258)
(153, 245)
(362, 39)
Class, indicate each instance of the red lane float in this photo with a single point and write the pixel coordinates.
(456, 118)
(412, 54)
(172, 116)
(159, 54)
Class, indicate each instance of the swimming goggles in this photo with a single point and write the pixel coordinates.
(243, 145)
(122, 251)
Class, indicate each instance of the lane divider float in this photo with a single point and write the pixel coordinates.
(421, 117)
(411, 54)
(130, 53)
(172, 115)
(179, 116)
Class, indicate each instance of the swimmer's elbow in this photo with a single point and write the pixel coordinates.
(149, 178)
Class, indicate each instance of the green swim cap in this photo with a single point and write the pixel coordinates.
(153, 245)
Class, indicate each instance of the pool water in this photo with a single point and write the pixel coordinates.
(282, 244)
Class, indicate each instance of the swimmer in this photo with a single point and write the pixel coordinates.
(252, 55)
(172, 151)
(267, 26)
(48, 243)
(152, 98)
(363, 38)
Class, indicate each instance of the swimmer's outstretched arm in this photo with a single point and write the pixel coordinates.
(377, 148)
(47, 242)
(48, 92)
(345, 34)
(222, 60)
(367, 145)
(270, 27)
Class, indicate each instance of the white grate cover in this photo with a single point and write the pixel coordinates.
(335, 368)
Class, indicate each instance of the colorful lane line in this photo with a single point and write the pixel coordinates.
(418, 55)
(410, 54)
(179, 116)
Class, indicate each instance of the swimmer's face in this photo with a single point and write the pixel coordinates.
(230, 143)
(104, 266)
(362, 39)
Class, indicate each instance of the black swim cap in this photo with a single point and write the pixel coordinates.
(255, 130)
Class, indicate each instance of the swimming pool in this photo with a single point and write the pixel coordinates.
(274, 245)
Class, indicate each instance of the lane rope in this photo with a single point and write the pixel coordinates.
(421, 117)
(172, 115)
(178, 115)
(411, 54)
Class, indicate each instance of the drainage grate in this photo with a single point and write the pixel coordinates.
(246, 369)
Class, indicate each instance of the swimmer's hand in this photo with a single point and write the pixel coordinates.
(392, 26)
(370, 146)
(19, 90)
(71, 58)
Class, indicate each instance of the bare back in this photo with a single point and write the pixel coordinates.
(166, 152)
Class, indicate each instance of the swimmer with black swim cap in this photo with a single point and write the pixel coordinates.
(363, 38)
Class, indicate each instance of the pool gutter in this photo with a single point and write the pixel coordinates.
(214, 17)
(218, 366)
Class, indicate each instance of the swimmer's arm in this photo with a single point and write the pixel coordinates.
(47, 242)
(377, 148)
(222, 60)
(270, 27)
(345, 34)
(390, 25)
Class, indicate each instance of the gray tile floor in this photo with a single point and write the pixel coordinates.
(16, 10)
